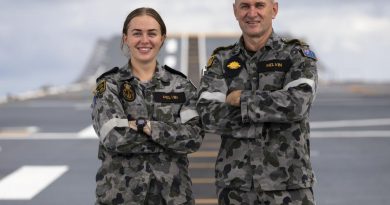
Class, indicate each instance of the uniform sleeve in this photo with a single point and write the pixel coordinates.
(110, 122)
(291, 103)
(185, 136)
(216, 115)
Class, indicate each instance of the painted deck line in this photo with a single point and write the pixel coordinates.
(18, 131)
(87, 133)
(206, 201)
(26, 182)
(203, 154)
(350, 123)
(352, 134)
(203, 180)
(201, 165)
(30, 133)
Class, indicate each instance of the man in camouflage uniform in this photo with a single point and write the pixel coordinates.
(257, 95)
(148, 166)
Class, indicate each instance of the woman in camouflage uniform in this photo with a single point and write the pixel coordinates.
(146, 119)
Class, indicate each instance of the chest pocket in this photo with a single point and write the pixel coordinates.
(167, 106)
(133, 104)
(272, 74)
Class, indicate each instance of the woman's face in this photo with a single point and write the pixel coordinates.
(144, 39)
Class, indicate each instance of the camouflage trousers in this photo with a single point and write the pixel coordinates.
(154, 196)
(228, 196)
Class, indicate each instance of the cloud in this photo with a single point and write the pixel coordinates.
(51, 40)
(349, 39)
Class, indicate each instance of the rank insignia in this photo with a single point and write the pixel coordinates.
(127, 92)
(234, 65)
(308, 53)
(210, 61)
(100, 88)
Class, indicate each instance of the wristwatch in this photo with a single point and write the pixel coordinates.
(141, 123)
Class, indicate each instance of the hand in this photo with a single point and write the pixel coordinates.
(132, 125)
(233, 98)
(147, 129)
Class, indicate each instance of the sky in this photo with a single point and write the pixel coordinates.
(49, 42)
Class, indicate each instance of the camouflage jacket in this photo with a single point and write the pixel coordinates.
(131, 159)
(265, 141)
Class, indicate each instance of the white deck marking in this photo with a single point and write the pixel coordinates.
(26, 182)
(351, 134)
(18, 131)
(350, 123)
(88, 133)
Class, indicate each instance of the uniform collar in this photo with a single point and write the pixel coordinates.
(125, 73)
(162, 74)
(271, 43)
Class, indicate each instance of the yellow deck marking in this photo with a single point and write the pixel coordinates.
(204, 154)
(206, 201)
(201, 165)
(203, 180)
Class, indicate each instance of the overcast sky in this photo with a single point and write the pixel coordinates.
(48, 42)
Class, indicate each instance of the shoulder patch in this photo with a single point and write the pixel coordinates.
(210, 61)
(100, 88)
(304, 48)
(171, 70)
(309, 53)
(294, 41)
(111, 71)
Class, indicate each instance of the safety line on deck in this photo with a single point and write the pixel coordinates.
(28, 181)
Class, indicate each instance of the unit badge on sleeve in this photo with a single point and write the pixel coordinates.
(100, 88)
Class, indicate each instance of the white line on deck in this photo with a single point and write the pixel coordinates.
(18, 131)
(350, 123)
(88, 133)
(351, 134)
(27, 181)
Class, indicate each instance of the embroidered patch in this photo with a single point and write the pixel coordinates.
(127, 92)
(233, 67)
(308, 53)
(274, 65)
(210, 61)
(100, 88)
(173, 97)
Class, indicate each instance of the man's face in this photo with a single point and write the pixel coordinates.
(255, 16)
